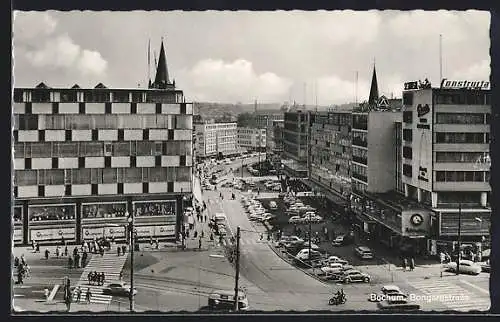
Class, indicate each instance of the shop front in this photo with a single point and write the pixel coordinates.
(155, 219)
(50, 223)
(18, 226)
(103, 220)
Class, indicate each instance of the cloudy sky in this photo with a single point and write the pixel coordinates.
(241, 56)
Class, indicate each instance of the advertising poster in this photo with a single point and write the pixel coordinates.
(18, 235)
(163, 208)
(53, 233)
(104, 210)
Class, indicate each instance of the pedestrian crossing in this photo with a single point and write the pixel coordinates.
(111, 265)
(449, 294)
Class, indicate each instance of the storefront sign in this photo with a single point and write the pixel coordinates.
(155, 231)
(464, 84)
(18, 235)
(42, 234)
(415, 222)
(100, 232)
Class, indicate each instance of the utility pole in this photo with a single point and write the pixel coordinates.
(310, 239)
(130, 220)
(459, 236)
(237, 275)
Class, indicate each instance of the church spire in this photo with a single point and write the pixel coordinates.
(161, 79)
(373, 98)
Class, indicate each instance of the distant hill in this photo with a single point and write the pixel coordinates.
(210, 110)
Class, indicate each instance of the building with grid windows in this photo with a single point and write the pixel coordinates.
(216, 139)
(295, 143)
(84, 157)
(252, 139)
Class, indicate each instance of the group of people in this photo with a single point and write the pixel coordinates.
(408, 263)
(78, 294)
(96, 278)
(23, 270)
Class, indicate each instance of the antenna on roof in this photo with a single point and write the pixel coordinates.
(356, 89)
(440, 57)
(149, 61)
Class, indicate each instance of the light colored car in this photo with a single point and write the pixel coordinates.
(287, 240)
(364, 252)
(304, 254)
(224, 300)
(466, 267)
(273, 205)
(336, 259)
(336, 269)
(118, 288)
(354, 275)
(295, 220)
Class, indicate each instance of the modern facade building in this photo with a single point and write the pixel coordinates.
(330, 156)
(85, 157)
(215, 139)
(446, 137)
(278, 131)
(264, 120)
(295, 143)
(252, 139)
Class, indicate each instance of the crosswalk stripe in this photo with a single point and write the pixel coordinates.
(111, 265)
(451, 295)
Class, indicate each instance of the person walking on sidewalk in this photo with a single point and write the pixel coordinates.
(58, 251)
(65, 250)
(70, 262)
(89, 277)
(199, 243)
(88, 295)
(47, 252)
(118, 250)
(78, 294)
(84, 259)
(121, 275)
(412, 264)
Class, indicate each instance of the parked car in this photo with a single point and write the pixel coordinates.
(295, 220)
(335, 268)
(118, 289)
(336, 259)
(273, 205)
(339, 241)
(485, 266)
(354, 275)
(391, 292)
(304, 254)
(466, 267)
(289, 239)
(363, 252)
(224, 300)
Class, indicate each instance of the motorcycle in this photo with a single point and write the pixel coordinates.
(337, 299)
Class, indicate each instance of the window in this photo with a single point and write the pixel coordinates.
(460, 176)
(40, 96)
(41, 149)
(157, 174)
(407, 135)
(121, 149)
(408, 98)
(28, 122)
(65, 150)
(408, 117)
(462, 118)
(137, 97)
(96, 176)
(132, 175)
(160, 97)
(25, 177)
(120, 96)
(91, 149)
(158, 148)
(80, 176)
(475, 98)
(145, 148)
(18, 96)
(109, 175)
(487, 118)
(96, 96)
(407, 170)
(459, 156)
(108, 149)
(51, 177)
(407, 152)
(450, 137)
(18, 150)
(69, 96)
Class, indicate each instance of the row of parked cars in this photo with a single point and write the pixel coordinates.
(299, 212)
(331, 267)
(255, 210)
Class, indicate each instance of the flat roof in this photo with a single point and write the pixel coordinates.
(396, 201)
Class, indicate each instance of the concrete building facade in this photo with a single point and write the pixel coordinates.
(252, 139)
(84, 158)
(215, 139)
(295, 143)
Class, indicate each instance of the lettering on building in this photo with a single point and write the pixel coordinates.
(465, 84)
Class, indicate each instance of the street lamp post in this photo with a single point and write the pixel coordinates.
(237, 275)
(130, 220)
(310, 238)
(459, 236)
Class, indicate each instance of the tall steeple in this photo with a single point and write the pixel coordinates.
(161, 79)
(373, 98)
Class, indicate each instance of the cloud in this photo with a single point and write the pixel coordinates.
(335, 90)
(31, 25)
(62, 52)
(478, 71)
(222, 81)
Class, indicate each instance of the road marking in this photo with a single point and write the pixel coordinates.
(53, 293)
(476, 287)
(22, 286)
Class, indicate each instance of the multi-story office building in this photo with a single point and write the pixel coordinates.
(278, 131)
(264, 120)
(216, 139)
(446, 136)
(83, 158)
(330, 153)
(295, 143)
(252, 139)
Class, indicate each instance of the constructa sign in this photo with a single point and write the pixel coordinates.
(464, 84)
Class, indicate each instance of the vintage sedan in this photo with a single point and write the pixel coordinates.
(465, 267)
(354, 275)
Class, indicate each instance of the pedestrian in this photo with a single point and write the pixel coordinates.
(124, 249)
(63, 241)
(103, 278)
(58, 251)
(211, 237)
(121, 275)
(37, 247)
(101, 250)
(78, 294)
(89, 277)
(199, 243)
(202, 234)
(405, 263)
(88, 295)
(187, 233)
(84, 259)
(47, 252)
(195, 234)
(75, 251)
(20, 276)
(65, 250)
(33, 245)
(261, 236)
(77, 260)
(118, 250)
(70, 262)
(46, 293)
(205, 220)
(442, 258)
(151, 241)
(412, 264)
(157, 244)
